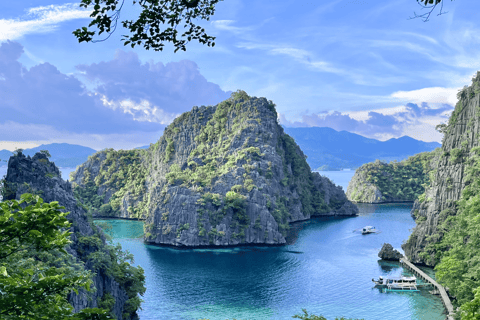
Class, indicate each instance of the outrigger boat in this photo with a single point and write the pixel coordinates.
(397, 284)
(368, 229)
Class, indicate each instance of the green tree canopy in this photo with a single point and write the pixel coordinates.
(156, 24)
(430, 5)
(36, 273)
(45, 152)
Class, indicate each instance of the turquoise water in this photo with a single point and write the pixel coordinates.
(326, 268)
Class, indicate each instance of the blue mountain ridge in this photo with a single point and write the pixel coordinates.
(63, 154)
(328, 149)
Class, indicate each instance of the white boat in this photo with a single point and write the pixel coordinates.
(397, 287)
(368, 229)
(395, 282)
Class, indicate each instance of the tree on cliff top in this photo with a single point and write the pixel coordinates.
(146, 30)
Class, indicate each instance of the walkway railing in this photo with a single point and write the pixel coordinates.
(443, 293)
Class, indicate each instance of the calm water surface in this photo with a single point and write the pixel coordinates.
(326, 268)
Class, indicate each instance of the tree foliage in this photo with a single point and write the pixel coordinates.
(156, 24)
(306, 316)
(46, 153)
(430, 5)
(459, 247)
(36, 273)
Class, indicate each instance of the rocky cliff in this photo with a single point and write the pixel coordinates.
(458, 155)
(380, 182)
(37, 175)
(220, 175)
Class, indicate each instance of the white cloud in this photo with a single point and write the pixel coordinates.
(363, 115)
(423, 131)
(143, 111)
(299, 55)
(428, 95)
(40, 20)
(226, 25)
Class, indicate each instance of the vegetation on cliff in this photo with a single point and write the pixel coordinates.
(36, 273)
(396, 181)
(223, 174)
(121, 172)
(450, 211)
(89, 256)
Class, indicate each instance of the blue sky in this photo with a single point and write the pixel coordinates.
(354, 65)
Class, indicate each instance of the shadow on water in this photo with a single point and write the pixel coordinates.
(389, 266)
(314, 224)
(242, 277)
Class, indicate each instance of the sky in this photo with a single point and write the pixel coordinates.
(360, 66)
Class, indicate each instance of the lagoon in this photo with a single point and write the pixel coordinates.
(325, 267)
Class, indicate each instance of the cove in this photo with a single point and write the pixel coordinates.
(325, 268)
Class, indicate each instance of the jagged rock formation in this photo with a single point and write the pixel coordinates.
(380, 182)
(220, 175)
(460, 141)
(37, 175)
(388, 253)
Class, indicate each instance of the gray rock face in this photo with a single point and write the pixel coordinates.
(37, 175)
(224, 175)
(187, 217)
(388, 253)
(449, 179)
(360, 190)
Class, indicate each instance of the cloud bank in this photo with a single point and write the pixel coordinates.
(151, 91)
(130, 98)
(415, 120)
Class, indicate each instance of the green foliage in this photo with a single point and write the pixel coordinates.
(456, 155)
(306, 316)
(213, 145)
(36, 273)
(147, 30)
(123, 172)
(45, 152)
(169, 150)
(49, 175)
(400, 181)
(300, 178)
(240, 95)
(185, 226)
(106, 302)
(281, 215)
(116, 263)
(455, 249)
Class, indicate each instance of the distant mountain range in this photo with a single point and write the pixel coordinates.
(328, 149)
(63, 154)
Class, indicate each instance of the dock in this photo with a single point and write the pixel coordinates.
(443, 293)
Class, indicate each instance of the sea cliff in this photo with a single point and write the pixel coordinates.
(452, 173)
(112, 279)
(219, 176)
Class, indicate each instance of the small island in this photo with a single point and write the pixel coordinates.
(404, 181)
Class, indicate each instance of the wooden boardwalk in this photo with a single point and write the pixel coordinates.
(443, 293)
